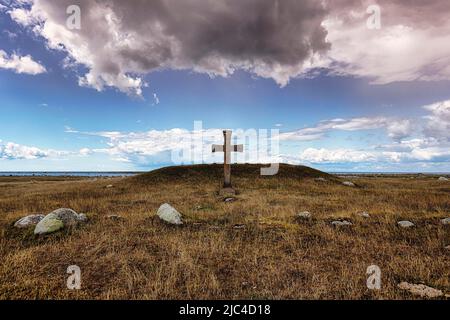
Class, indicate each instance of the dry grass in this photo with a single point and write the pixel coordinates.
(274, 257)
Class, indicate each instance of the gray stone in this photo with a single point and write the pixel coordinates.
(445, 221)
(443, 179)
(239, 226)
(303, 215)
(348, 184)
(321, 179)
(109, 186)
(339, 223)
(69, 217)
(229, 199)
(447, 247)
(168, 213)
(50, 223)
(421, 290)
(31, 220)
(405, 224)
(82, 217)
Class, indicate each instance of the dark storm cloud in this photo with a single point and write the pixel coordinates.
(120, 41)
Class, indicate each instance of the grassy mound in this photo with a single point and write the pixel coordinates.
(215, 171)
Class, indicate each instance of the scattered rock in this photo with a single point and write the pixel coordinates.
(421, 290)
(239, 226)
(69, 217)
(303, 215)
(445, 221)
(339, 223)
(405, 224)
(30, 220)
(229, 199)
(320, 179)
(115, 217)
(109, 186)
(364, 214)
(168, 213)
(348, 184)
(443, 179)
(59, 219)
(50, 223)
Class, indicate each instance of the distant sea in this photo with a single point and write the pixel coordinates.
(68, 174)
(132, 173)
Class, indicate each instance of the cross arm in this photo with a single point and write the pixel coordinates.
(217, 148)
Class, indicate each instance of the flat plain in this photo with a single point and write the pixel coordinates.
(253, 247)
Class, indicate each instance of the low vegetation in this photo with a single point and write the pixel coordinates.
(250, 248)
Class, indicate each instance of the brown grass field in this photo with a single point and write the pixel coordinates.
(275, 256)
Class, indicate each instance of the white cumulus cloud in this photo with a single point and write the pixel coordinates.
(20, 64)
(13, 151)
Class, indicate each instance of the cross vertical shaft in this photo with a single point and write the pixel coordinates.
(227, 148)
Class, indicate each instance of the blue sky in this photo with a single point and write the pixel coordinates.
(334, 120)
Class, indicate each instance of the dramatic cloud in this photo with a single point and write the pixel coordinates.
(12, 151)
(419, 143)
(318, 132)
(20, 64)
(400, 129)
(322, 155)
(121, 41)
(413, 42)
(182, 146)
(438, 122)
(409, 154)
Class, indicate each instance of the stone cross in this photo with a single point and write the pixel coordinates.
(227, 148)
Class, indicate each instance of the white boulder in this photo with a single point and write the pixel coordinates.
(364, 214)
(445, 221)
(443, 179)
(340, 223)
(169, 214)
(303, 215)
(59, 219)
(49, 224)
(348, 183)
(405, 224)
